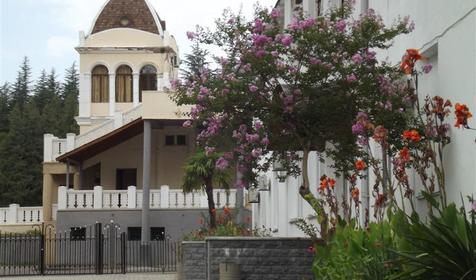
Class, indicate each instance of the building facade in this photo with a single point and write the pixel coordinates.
(445, 35)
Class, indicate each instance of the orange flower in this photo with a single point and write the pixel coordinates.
(355, 193)
(411, 135)
(226, 210)
(462, 115)
(360, 165)
(405, 154)
(409, 59)
(324, 183)
(332, 182)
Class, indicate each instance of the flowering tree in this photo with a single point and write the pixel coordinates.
(281, 93)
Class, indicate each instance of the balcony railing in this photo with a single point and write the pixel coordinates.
(163, 198)
(14, 215)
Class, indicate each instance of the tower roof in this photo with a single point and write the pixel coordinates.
(137, 14)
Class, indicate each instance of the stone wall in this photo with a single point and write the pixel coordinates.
(258, 258)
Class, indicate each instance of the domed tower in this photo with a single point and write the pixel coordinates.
(126, 52)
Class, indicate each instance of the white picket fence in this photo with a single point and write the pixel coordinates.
(14, 215)
(98, 198)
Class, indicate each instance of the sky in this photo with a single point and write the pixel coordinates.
(47, 30)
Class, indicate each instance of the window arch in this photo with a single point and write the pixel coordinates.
(148, 79)
(100, 84)
(124, 84)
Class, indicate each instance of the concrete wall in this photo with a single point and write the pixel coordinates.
(177, 223)
(258, 258)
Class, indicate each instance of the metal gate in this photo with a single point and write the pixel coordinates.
(97, 249)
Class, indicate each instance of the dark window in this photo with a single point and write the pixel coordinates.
(124, 84)
(135, 233)
(169, 140)
(126, 178)
(181, 140)
(78, 233)
(100, 84)
(148, 79)
(157, 233)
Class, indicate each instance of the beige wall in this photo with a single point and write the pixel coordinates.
(167, 161)
(158, 105)
(18, 228)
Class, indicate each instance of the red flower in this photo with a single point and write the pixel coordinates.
(405, 154)
(355, 193)
(226, 210)
(324, 183)
(412, 135)
(311, 249)
(409, 59)
(462, 115)
(332, 182)
(360, 165)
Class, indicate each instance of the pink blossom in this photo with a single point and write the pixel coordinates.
(258, 125)
(209, 150)
(341, 25)
(226, 91)
(260, 53)
(351, 78)
(307, 23)
(287, 40)
(252, 138)
(295, 24)
(357, 58)
(204, 90)
(275, 13)
(187, 124)
(274, 53)
(427, 68)
(256, 152)
(253, 88)
(221, 163)
(473, 206)
(314, 61)
(371, 55)
(247, 67)
(259, 26)
(191, 35)
(260, 40)
(265, 141)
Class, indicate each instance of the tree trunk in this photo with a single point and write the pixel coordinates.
(211, 203)
(306, 194)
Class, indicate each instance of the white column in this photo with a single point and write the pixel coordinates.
(135, 88)
(131, 197)
(97, 197)
(112, 94)
(12, 213)
(283, 217)
(160, 81)
(70, 138)
(48, 147)
(288, 12)
(85, 95)
(164, 196)
(62, 197)
(310, 8)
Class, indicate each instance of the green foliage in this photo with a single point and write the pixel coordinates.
(355, 253)
(194, 62)
(444, 248)
(226, 226)
(26, 113)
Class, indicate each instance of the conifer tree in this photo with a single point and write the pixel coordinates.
(194, 62)
(69, 95)
(4, 108)
(21, 87)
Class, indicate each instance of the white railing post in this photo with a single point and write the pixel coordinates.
(203, 200)
(48, 147)
(164, 196)
(97, 197)
(70, 138)
(131, 197)
(62, 197)
(12, 216)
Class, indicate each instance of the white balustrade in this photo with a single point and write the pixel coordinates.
(15, 214)
(132, 199)
(94, 133)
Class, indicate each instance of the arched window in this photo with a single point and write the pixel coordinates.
(100, 84)
(148, 79)
(124, 84)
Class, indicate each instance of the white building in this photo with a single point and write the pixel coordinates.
(445, 33)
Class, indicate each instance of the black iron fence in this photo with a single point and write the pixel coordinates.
(96, 249)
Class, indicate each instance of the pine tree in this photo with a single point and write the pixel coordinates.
(41, 91)
(69, 95)
(21, 87)
(51, 113)
(194, 62)
(4, 108)
(21, 157)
